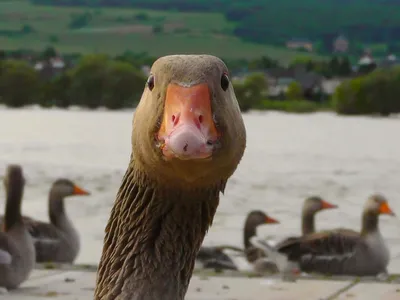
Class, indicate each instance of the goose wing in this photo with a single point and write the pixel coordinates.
(329, 252)
(41, 230)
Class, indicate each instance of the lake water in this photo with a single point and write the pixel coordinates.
(288, 157)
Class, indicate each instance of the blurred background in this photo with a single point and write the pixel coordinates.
(317, 81)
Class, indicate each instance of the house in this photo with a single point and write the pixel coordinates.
(145, 70)
(329, 86)
(54, 62)
(366, 63)
(366, 59)
(50, 68)
(279, 80)
(389, 61)
(297, 44)
(341, 44)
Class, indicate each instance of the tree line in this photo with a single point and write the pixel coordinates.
(95, 81)
(99, 80)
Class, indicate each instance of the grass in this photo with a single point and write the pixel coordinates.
(295, 106)
(115, 30)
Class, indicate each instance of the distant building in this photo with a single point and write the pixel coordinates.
(50, 68)
(279, 80)
(366, 58)
(341, 44)
(297, 44)
(146, 70)
(54, 62)
(366, 63)
(389, 61)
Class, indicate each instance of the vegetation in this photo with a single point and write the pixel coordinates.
(252, 91)
(273, 22)
(19, 83)
(375, 93)
(97, 80)
(115, 30)
(294, 90)
(295, 106)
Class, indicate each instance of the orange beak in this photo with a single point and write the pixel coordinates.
(327, 205)
(270, 220)
(385, 209)
(80, 191)
(187, 130)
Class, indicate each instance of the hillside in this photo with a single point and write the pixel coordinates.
(115, 30)
(274, 22)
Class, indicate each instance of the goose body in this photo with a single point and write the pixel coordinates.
(215, 258)
(188, 138)
(56, 241)
(343, 251)
(17, 252)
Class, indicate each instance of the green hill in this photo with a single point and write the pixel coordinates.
(231, 29)
(115, 30)
(366, 21)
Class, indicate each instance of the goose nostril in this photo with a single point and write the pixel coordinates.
(175, 119)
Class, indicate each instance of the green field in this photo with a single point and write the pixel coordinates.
(115, 30)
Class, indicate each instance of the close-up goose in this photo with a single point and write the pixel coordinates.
(17, 252)
(343, 251)
(188, 138)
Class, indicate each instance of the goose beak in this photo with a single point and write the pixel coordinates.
(385, 209)
(270, 220)
(327, 205)
(79, 191)
(188, 129)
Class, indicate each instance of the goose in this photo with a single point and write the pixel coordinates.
(313, 205)
(17, 252)
(57, 241)
(215, 258)
(340, 251)
(188, 138)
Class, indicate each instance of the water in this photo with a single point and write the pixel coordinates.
(288, 157)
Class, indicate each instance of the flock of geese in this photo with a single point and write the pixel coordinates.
(188, 138)
(338, 251)
(25, 240)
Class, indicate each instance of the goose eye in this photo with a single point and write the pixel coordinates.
(150, 82)
(224, 81)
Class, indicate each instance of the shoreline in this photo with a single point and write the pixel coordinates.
(393, 278)
(77, 282)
